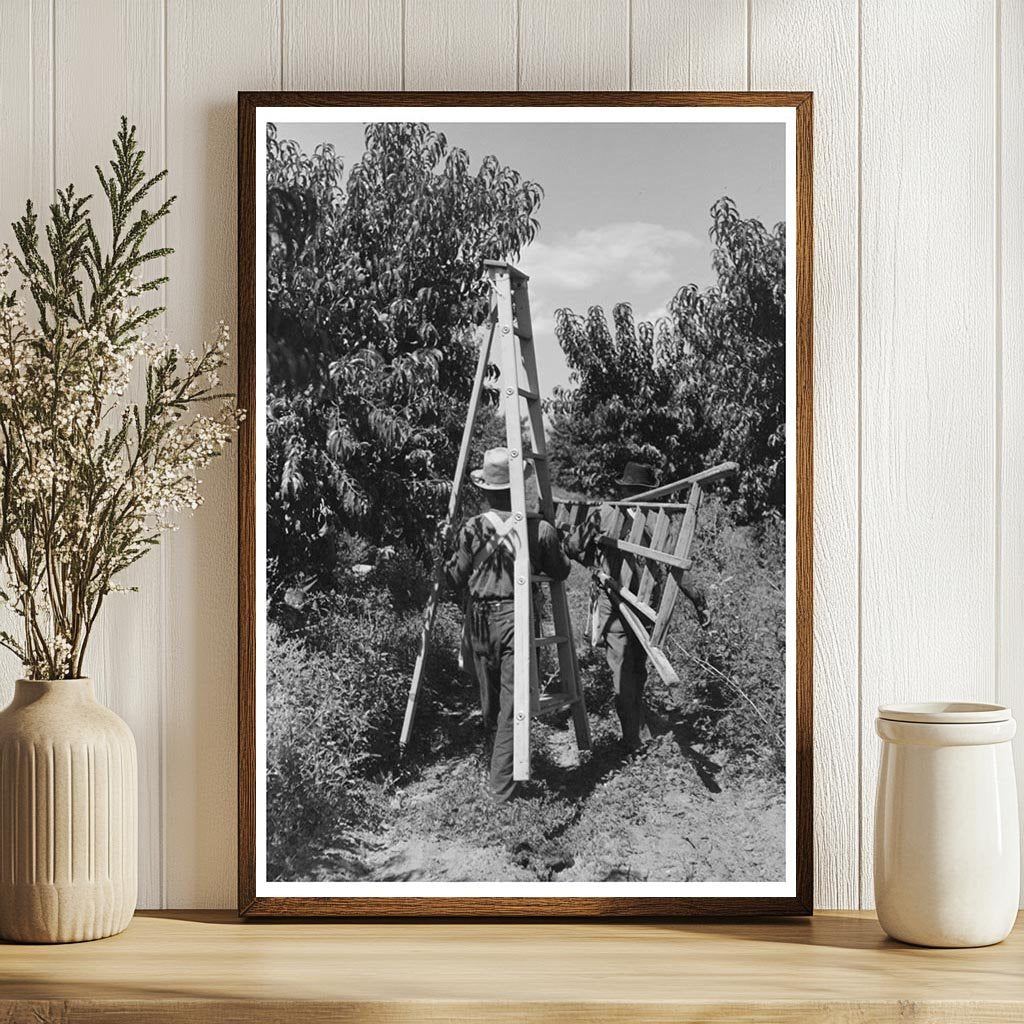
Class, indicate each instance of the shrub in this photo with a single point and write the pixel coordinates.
(736, 668)
(338, 672)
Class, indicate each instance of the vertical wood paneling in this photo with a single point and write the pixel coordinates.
(26, 171)
(689, 44)
(1010, 381)
(781, 59)
(928, 363)
(125, 656)
(573, 44)
(460, 44)
(213, 50)
(26, 108)
(342, 44)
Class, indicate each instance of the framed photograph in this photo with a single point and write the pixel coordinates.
(525, 493)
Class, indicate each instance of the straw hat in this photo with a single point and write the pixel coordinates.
(493, 474)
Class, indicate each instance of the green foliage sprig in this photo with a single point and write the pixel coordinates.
(89, 477)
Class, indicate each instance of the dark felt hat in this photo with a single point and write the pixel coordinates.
(638, 474)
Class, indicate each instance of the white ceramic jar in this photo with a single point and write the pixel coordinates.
(947, 848)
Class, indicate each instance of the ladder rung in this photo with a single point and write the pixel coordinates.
(538, 577)
(554, 702)
(523, 336)
(550, 641)
(527, 454)
(530, 395)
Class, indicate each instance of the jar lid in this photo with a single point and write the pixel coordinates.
(945, 713)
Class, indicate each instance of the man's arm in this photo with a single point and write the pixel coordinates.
(581, 543)
(553, 561)
(459, 566)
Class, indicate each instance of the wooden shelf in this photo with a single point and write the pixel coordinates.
(210, 967)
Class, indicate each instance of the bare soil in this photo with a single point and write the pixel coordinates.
(668, 813)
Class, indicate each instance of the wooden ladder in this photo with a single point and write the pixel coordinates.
(511, 334)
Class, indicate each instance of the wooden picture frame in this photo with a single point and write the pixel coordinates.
(252, 901)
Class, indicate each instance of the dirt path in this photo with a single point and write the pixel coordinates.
(669, 813)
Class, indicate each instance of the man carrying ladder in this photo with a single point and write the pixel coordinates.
(624, 652)
(483, 565)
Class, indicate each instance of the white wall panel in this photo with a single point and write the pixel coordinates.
(26, 168)
(213, 51)
(573, 44)
(26, 107)
(460, 44)
(342, 44)
(1010, 370)
(928, 411)
(688, 44)
(125, 655)
(919, 571)
(781, 59)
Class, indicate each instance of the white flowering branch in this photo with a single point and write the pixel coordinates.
(89, 478)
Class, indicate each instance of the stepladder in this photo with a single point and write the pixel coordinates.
(508, 343)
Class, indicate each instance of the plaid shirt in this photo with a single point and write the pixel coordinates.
(495, 578)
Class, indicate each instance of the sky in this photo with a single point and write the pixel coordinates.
(625, 213)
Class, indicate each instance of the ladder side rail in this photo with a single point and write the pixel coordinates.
(654, 652)
(430, 615)
(523, 646)
(568, 665)
(682, 551)
(704, 477)
(526, 355)
(628, 596)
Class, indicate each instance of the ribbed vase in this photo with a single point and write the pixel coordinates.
(68, 815)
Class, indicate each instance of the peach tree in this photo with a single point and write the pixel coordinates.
(374, 287)
(703, 385)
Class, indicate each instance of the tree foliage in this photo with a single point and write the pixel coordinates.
(624, 403)
(374, 285)
(704, 385)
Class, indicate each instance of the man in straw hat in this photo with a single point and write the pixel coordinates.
(624, 653)
(483, 565)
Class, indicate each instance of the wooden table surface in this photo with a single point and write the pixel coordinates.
(208, 966)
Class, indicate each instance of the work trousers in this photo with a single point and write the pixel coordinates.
(492, 638)
(628, 661)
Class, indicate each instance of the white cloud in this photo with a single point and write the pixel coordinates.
(637, 252)
(632, 261)
(655, 314)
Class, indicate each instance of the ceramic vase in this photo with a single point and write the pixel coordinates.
(68, 815)
(947, 848)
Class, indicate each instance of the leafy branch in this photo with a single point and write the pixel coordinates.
(90, 477)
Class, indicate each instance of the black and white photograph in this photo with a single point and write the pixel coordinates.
(525, 580)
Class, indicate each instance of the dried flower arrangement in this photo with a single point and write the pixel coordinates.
(90, 470)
